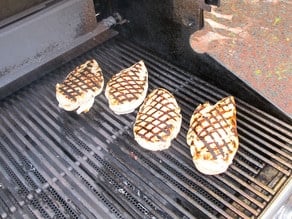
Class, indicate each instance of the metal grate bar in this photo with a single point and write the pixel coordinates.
(275, 145)
(202, 186)
(253, 180)
(154, 166)
(247, 146)
(77, 161)
(89, 165)
(82, 155)
(42, 162)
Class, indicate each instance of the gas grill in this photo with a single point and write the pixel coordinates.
(57, 164)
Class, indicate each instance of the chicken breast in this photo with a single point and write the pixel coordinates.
(158, 121)
(127, 89)
(80, 87)
(212, 136)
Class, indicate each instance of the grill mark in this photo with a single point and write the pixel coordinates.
(214, 112)
(206, 144)
(163, 126)
(222, 127)
(126, 89)
(91, 76)
(81, 79)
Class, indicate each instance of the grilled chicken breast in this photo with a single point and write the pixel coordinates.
(212, 136)
(80, 87)
(127, 89)
(158, 121)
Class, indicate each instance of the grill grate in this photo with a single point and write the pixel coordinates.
(59, 164)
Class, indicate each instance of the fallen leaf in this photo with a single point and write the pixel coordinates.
(276, 21)
(258, 72)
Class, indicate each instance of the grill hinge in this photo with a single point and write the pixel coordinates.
(206, 4)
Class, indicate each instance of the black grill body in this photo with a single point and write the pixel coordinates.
(57, 164)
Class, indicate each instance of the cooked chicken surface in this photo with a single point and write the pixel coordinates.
(127, 89)
(212, 136)
(158, 121)
(80, 87)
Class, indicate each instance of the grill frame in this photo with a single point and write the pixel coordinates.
(85, 158)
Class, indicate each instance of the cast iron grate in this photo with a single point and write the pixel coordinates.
(63, 165)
